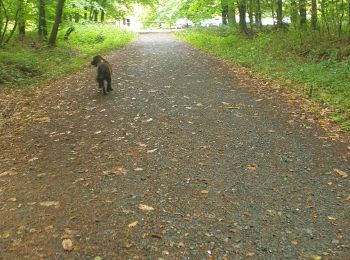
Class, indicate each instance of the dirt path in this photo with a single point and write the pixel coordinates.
(178, 162)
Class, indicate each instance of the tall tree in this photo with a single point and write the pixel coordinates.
(42, 29)
(302, 12)
(103, 10)
(21, 19)
(258, 17)
(279, 14)
(224, 11)
(250, 6)
(314, 14)
(242, 8)
(231, 12)
(54, 31)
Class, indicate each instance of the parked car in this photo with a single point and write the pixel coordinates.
(183, 23)
(217, 21)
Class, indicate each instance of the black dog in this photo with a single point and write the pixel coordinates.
(104, 72)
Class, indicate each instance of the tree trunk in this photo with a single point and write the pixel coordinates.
(95, 15)
(258, 19)
(314, 14)
(1, 20)
(250, 12)
(279, 14)
(42, 20)
(59, 11)
(242, 8)
(231, 15)
(349, 12)
(85, 12)
(273, 11)
(7, 19)
(294, 12)
(103, 5)
(224, 11)
(14, 27)
(21, 19)
(102, 16)
(302, 12)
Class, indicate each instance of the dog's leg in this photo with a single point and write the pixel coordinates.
(109, 85)
(101, 84)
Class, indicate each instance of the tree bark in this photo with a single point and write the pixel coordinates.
(314, 14)
(231, 12)
(279, 14)
(7, 19)
(242, 8)
(42, 20)
(59, 11)
(21, 19)
(14, 27)
(103, 5)
(95, 15)
(251, 12)
(258, 18)
(302, 12)
(224, 11)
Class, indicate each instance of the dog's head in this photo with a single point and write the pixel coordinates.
(96, 60)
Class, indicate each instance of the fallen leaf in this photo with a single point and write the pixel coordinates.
(181, 244)
(250, 254)
(10, 173)
(315, 257)
(116, 171)
(6, 234)
(148, 120)
(56, 204)
(49, 229)
(33, 159)
(252, 167)
(67, 244)
(348, 198)
(341, 173)
(133, 224)
(44, 119)
(145, 207)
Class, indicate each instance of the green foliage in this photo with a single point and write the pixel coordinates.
(274, 56)
(24, 65)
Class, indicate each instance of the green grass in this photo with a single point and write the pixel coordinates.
(29, 63)
(303, 62)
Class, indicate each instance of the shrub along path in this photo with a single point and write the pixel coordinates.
(179, 161)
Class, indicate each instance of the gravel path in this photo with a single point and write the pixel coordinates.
(180, 161)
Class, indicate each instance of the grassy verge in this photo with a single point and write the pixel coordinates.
(304, 62)
(28, 63)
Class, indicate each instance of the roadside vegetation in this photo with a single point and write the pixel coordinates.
(321, 71)
(29, 62)
(41, 40)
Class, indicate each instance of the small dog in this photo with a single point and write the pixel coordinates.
(104, 73)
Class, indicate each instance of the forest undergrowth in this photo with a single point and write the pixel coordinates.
(24, 64)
